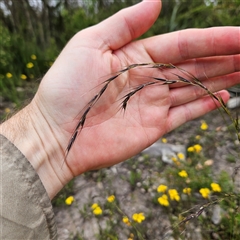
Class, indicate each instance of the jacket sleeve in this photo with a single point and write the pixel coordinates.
(25, 208)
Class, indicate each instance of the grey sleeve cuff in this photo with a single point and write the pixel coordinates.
(25, 208)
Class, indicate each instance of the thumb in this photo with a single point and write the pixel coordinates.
(128, 24)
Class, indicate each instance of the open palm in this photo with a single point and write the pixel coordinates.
(111, 135)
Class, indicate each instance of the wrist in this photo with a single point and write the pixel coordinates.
(30, 132)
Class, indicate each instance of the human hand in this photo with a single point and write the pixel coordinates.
(109, 136)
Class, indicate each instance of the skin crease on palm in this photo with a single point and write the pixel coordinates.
(109, 134)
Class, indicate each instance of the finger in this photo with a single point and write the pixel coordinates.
(202, 69)
(193, 43)
(209, 67)
(127, 24)
(189, 111)
(190, 93)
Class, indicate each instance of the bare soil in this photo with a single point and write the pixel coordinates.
(223, 149)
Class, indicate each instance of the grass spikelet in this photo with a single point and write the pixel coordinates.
(185, 78)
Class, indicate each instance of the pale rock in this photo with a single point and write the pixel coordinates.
(216, 215)
(233, 102)
(165, 150)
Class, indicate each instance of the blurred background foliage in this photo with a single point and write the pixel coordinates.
(33, 32)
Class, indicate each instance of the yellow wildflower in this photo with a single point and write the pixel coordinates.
(8, 75)
(23, 77)
(126, 221)
(190, 149)
(164, 140)
(97, 210)
(7, 110)
(181, 156)
(177, 163)
(174, 194)
(111, 198)
(69, 200)
(33, 57)
(30, 65)
(163, 200)
(205, 192)
(162, 188)
(174, 159)
(198, 137)
(197, 148)
(95, 205)
(204, 126)
(131, 236)
(183, 174)
(215, 187)
(138, 217)
(187, 191)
